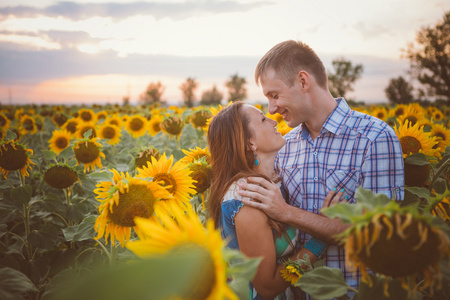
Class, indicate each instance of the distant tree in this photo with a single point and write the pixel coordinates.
(153, 93)
(399, 91)
(211, 97)
(126, 100)
(188, 89)
(236, 88)
(345, 74)
(430, 60)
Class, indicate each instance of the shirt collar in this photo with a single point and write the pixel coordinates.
(335, 121)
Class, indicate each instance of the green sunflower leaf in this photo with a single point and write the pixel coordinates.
(418, 159)
(343, 211)
(81, 232)
(22, 194)
(323, 283)
(14, 283)
(49, 155)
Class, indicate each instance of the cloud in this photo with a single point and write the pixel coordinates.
(118, 11)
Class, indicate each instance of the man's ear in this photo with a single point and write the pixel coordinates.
(304, 80)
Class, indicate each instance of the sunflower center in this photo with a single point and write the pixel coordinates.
(61, 142)
(71, 127)
(114, 122)
(28, 124)
(86, 152)
(380, 115)
(146, 156)
(204, 276)
(202, 174)
(12, 159)
(60, 177)
(86, 116)
(136, 124)
(59, 119)
(139, 201)
(157, 126)
(440, 135)
(437, 116)
(109, 133)
(399, 112)
(167, 180)
(200, 118)
(410, 144)
(412, 119)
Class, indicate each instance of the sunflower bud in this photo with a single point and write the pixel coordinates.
(60, 176)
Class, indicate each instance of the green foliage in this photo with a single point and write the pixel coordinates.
(399, 91)
(236, 88)
(211, 97)
(188, 89)
(341, 81)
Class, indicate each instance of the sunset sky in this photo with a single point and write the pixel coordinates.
(84, 52)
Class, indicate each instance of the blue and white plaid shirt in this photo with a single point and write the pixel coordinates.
(353, 149)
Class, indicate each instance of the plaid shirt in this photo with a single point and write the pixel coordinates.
(353, 149)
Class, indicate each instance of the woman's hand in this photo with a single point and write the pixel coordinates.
(264, 195)
(333, 197)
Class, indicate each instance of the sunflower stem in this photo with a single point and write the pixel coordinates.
(26, 221)
(178, 143)
(105, 250)
(113, 256)
(438, 172)
(22, 179)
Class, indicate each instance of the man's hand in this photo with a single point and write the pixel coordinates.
(265, 196)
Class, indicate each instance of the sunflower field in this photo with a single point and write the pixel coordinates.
(108, 202)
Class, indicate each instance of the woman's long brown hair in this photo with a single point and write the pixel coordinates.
(231, 156)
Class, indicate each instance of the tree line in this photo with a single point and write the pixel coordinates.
(429, 60)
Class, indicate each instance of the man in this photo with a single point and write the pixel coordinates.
(330, 147)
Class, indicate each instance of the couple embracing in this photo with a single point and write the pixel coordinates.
(267, 190)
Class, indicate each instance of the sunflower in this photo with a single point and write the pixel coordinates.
(71, 126)
(109, 132)
(27, 125)
(60, 176)
(414, 140)
(380, 113)
(173, 176)
(276, 117)
(87, 151)
(154, 124)
(414, 114)
(122, 200)
(283, 128)
(172, 125)
(442, 135)
(4, 122)
(194, 155)
(87, 115)
(114, 120)
(14, 156)
(59, 119)
(442, 209)
(290, 274)
(391, 240)
(146, 156)
(85, 127)
(59, 141)
(182, 232)
(102, 115)
(136, 126)
(397, 111)
(201, 174)
(199, 118)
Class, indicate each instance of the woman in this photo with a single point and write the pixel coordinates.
(243, 143)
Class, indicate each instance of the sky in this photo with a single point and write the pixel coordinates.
(84, 52)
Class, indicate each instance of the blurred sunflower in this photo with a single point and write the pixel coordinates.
(182, 232)
(193, 155)
(114, 120)
(122, 201)
(27, 125)
(380, 112)
(84, 127)
(136, 126)
(102, 115)
(4, 122)
(59, 141)
(391, 240)
(59, 119)
(60, 176)
(397, 111)
(87, 151)
(414, 114)
(110, 132)
(437, 115)
(172, 125)
(71, 126)
(276, 117)
(442, 135)
(174, 176)
(441, 209)
(200, 117)
(201, 174)
(283, 128)
(87, 115)
(146, 156)
(414, 140)
(154, 125)
(14, 156)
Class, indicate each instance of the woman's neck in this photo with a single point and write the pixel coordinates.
(265, 166)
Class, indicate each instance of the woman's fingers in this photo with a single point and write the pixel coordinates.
(334, 196)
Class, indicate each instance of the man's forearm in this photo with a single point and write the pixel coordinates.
(316, 225)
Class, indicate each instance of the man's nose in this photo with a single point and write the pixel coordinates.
(272, 107)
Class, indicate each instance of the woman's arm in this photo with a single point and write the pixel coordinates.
(255, 239)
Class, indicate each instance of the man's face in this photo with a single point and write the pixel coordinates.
(285, 100)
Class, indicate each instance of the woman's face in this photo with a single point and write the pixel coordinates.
(266, 139)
